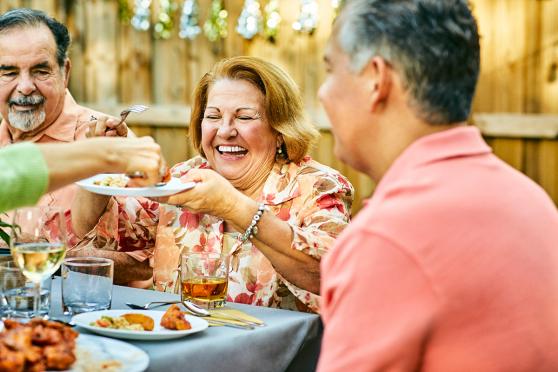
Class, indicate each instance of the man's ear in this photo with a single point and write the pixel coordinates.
(67, 68)
(378, 81)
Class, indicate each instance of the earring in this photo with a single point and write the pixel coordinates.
(279, 150)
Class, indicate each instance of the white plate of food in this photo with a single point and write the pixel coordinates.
(115, 185)
(95, 353)
(69, 350)
(89, 321)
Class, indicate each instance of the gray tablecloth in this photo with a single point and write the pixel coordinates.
(289, 342)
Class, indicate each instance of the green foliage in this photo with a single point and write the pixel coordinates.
(5, 236)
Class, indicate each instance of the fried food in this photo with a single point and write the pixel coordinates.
(145, 321)
(38, 345)
(174, 319)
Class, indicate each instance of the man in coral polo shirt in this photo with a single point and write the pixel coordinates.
(452, 265)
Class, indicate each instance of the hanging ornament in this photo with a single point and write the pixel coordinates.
(271, 20)
(140, 20)
(250, 20)
(164, 25)
(216, 25)
(336, 4)
(189, 20)
(308, 18)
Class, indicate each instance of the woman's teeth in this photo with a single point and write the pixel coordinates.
(232, 150)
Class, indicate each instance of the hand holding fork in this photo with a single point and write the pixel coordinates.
(105, 126)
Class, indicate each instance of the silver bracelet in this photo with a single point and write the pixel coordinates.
(252, 229)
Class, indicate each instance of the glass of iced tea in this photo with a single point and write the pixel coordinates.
(204, 278)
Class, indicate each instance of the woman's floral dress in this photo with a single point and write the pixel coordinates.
(314, 199)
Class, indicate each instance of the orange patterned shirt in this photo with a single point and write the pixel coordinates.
(313, 198)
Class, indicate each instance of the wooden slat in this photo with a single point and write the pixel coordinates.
(101, 71)
(174, 143)
(76, 26)
(169, 70)
(518, 125)
(492, 125)
(135, 53)
(509, 150)
(548, 168)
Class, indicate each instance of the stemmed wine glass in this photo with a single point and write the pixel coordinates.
(38, 244)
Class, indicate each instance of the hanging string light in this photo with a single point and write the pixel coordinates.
(271, 20)
(308, 18)
(140, 20)
(164, 25)
(216, 25)
(189, 20)
(250, 20)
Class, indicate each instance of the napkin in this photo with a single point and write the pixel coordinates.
(225, 315)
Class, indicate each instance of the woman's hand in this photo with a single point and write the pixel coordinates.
(213, 195)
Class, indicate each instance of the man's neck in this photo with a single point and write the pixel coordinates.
(19, 135)
(398, 137)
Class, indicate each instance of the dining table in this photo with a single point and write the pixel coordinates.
(289, 341)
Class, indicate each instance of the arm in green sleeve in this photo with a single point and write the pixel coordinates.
(23, 176)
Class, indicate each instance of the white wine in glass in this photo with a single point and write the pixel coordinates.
(38, 245)
(37, 261)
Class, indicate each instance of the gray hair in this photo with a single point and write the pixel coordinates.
(23, 17)
(434, 44)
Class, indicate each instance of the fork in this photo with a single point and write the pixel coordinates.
(151, 304)
(134, 108)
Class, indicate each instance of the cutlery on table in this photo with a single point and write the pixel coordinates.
(150, 305)
(198, 311)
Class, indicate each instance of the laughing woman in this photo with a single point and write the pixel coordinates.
(248, 125)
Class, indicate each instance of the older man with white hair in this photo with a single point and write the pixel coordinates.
(37, 107)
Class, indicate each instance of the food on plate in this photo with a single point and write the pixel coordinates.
(145, 321)
(174, 319)
(120, 180)
(166, 176)
(38, 345)
(112, 181)
(123, 322)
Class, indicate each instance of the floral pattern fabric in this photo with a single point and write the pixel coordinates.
(314, 199)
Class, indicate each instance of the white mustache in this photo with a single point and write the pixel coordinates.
(27, 100)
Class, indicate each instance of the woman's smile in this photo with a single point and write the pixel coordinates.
(231, 152)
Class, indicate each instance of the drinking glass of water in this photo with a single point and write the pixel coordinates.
(86, 284)
(17, 292)
(38, 245)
